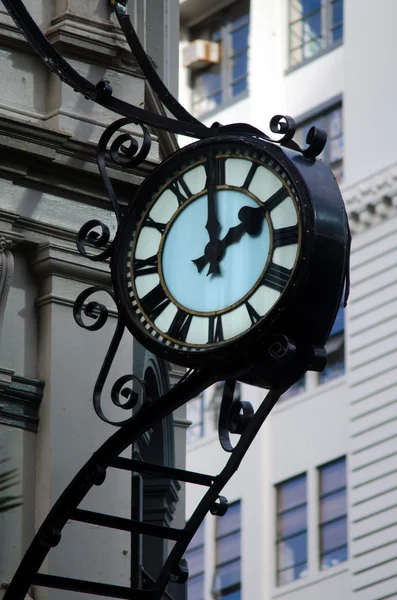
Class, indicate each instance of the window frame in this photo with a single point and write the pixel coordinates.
(282, 539)
(224, 17)
(322, 524)
(220, 593)
(327, 28)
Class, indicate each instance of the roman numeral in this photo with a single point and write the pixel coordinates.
(250, 176)
(180, 325)
(285, 236)
(254, 316)
(276, 199)
(146, 266)
(276, 277)
(181, 190)
(215, 330)
(149, 222)
(155, 302)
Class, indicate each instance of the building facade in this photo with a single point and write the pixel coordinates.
(49, 187)
(313, 505)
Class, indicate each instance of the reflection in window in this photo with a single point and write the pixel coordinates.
(221, 83)
(333, 513)
(335, 348)
(313, 26)
(291, 530)
(195, 559)
(331, 121)
(195, 414)
(227, 580)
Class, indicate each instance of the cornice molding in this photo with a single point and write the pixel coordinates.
(20, 399)
(372, 200)
(79, 37)
(39, 158)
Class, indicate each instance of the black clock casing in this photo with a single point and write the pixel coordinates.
(308, 304)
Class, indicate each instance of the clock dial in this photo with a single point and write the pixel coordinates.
(213, 248)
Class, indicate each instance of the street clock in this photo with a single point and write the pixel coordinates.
(230, 241)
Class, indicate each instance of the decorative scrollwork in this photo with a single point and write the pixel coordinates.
(132, 397)
(234, 415)
(89, 234)
(122, 396)
(283, 125)
(124, 151)
(316, 140)
(93, 310)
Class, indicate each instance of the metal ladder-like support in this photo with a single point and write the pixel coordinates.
(94, 473)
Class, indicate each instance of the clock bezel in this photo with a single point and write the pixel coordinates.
(156, 182)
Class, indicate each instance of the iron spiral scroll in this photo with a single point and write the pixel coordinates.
(96, 242)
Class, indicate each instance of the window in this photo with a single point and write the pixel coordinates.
(195, 414)
(226, 81)
(335, 348)
(333, 513)
(291, 530)
(195, 559)
(227, 580)
(314, 25)
(331, 121)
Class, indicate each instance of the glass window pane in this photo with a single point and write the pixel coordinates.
(227, 575)
(240, 39)
(291, 493)
(195, 560)
(198, 538)
(207, 82)
(335, 123)
(239, 87)
(333, 535)
(240, 65)
(236, 595)
(333, 476)
(230, 521)
(195, 586)
(337, 34)
(333, 506)
(334, 558)
(335, 149)
(291, 574)
(292, 521)
(311, 27)
(228, 548)
(337, 11)
(292, 551)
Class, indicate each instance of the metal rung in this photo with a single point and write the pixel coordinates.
(87, 516)
(90, 587)
(138, 466)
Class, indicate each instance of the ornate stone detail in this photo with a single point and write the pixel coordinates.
(6, 273)
(20, 399)
(372, 200)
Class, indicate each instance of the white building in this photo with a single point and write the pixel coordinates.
(316, 496)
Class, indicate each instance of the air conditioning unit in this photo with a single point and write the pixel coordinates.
(200, 54)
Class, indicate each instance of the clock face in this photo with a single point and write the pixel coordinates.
(211, 248)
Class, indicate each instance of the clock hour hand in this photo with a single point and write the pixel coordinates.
(251, 223)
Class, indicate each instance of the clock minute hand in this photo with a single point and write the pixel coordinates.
(213, 226)
(251, 223)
